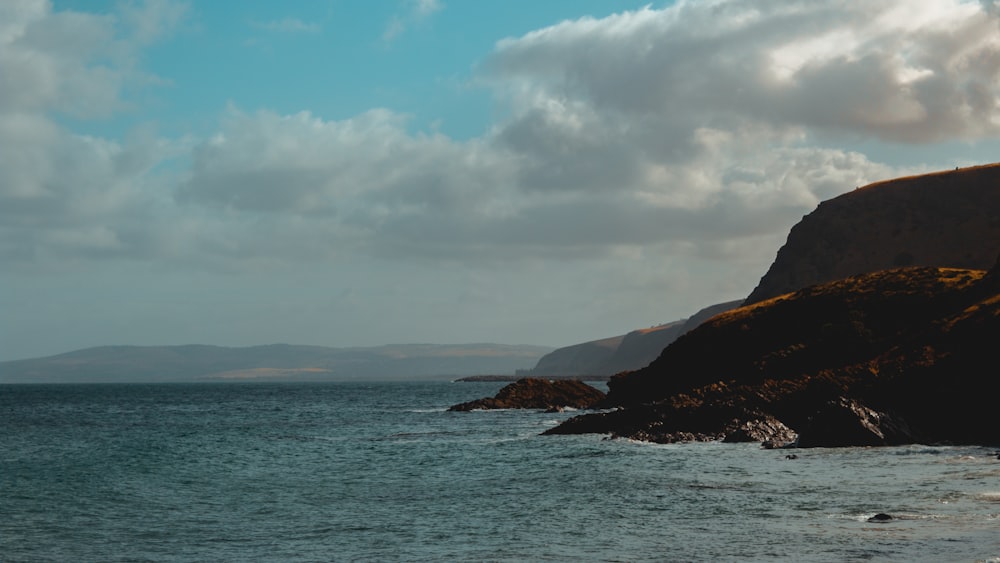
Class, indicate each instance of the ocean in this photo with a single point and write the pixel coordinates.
(382, 472)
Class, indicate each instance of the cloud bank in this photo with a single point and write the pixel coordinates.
(702, 129)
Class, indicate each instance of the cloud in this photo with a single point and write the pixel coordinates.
(411, 12)
(63, 196)
(896, 71)
(699, 131)
(424, 8)
(151, 20)
(690, 129)
(650, 157)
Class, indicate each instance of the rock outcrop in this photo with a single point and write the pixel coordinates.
(534, 393)
(892, 357)
(846, 422)
(944, 219)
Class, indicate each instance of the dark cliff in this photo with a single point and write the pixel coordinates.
(944, 219)
(892, 357)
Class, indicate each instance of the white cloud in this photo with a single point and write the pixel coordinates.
(65, 196)
(424, 8)
(688, 131)
(150, 20)
(410, 13)
(897, 71)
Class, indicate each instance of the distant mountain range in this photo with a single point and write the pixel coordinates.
(276, 362)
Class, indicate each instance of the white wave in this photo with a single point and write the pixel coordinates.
(989, 496)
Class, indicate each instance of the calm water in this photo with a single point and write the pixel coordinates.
(347, 471)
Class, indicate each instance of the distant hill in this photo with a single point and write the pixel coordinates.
(944, 219)
(270, 362)
(608, 356)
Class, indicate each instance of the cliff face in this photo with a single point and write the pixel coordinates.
(621, 353)
(945, 219)
(838, 345)
(891, 357)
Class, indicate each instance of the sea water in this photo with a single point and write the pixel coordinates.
(382, 472)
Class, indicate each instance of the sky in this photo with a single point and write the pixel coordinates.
(356, 173)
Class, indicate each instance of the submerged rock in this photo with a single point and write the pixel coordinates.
(881, 517)
(534, 393)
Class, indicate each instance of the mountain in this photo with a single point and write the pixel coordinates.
(944, 219)
(891, 357)
(271, 362)
(608, 356)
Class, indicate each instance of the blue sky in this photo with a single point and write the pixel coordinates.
(333, 58)
(351, 173)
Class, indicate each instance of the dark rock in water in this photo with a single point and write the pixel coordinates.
(791, 456)
(881, 517)
(533, 393)
(845, 422)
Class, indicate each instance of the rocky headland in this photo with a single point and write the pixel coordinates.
(535, 393)
(874, 326)
(893, 357)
